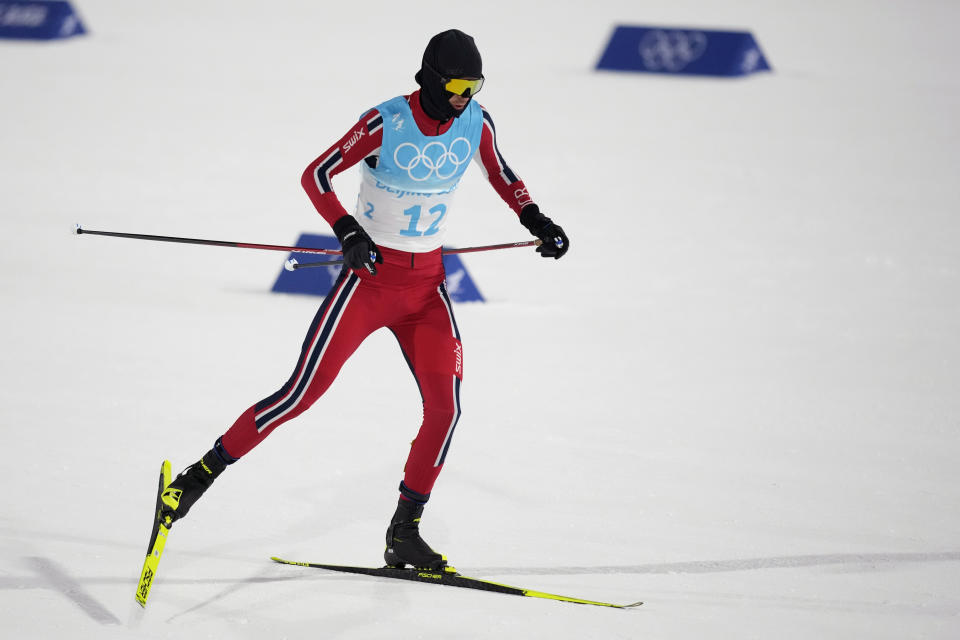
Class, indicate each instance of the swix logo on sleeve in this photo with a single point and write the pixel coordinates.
(354, 139)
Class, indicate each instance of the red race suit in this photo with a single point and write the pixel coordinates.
(407, 296)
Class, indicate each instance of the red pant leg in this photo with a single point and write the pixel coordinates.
(431, 343)
(347, 316)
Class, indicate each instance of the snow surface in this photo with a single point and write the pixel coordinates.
(736, 398)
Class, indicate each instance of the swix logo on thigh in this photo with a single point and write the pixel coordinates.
(458, 359)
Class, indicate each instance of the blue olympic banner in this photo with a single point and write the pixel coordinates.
(683, 51)
(317, 281)
(39, 20)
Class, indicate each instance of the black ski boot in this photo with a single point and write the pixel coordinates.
(187, 487)
(404, 544)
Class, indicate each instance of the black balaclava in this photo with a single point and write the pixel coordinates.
(451, 54)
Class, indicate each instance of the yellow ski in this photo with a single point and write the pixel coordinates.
(158, 539)
(450, 577)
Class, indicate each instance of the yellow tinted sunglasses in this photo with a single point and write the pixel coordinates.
(460, 86)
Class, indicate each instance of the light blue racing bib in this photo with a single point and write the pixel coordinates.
(404, 202)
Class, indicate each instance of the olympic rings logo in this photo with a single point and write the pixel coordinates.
(671, 50)
(433, 159)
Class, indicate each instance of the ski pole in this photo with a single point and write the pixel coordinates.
(215, 243)
(292, 264)
(492, 247)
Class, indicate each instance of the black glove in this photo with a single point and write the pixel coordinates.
(555, 242)
(359, 250)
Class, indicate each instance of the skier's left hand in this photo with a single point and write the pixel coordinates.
(555, 241)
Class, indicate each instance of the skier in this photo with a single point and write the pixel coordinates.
(412, 151)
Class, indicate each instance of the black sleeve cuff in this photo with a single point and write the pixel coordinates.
(344, 226)
(533, 219)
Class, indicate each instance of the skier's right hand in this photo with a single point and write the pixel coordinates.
(359, 250)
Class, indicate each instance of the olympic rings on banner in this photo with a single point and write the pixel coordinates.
(671, 50)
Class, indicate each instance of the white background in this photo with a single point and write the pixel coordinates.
(736, 398)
